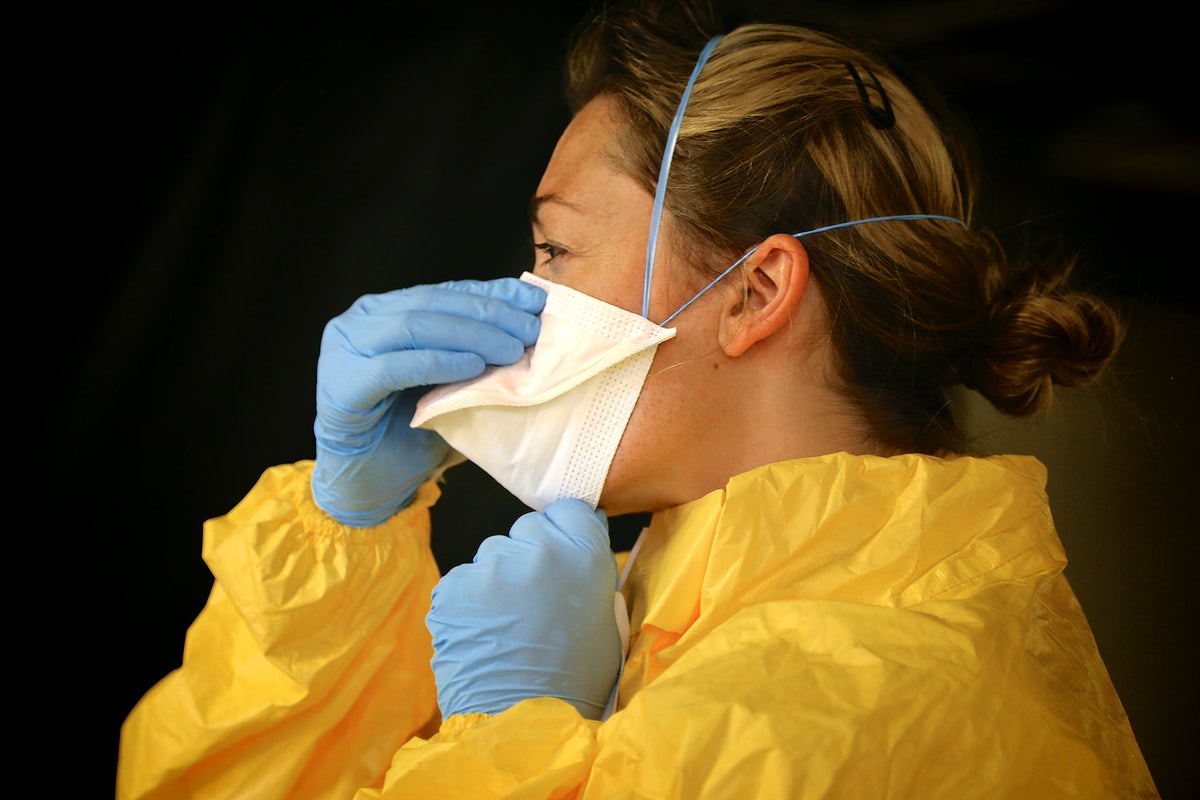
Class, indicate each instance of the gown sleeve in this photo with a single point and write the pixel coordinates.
(307, 668)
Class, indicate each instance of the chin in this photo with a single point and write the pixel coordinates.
(637, 497)
(617, 503)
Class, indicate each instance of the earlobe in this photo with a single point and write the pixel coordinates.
(773, 280)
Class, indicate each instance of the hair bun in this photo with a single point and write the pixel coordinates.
(1035, 341)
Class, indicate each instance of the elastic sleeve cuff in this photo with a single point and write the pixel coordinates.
(290, 568)
(458, 723)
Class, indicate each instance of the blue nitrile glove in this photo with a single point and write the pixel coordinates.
(378, 358)
(531, 616)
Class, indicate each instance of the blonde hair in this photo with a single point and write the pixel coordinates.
(779, 137)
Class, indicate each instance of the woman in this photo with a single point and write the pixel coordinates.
(757, 283)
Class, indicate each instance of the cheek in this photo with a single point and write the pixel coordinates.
(622, 286)
(617, 285)
(673, 288)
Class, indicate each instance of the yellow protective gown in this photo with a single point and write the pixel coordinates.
(834, 627)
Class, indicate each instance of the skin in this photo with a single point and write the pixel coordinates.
(754, 349)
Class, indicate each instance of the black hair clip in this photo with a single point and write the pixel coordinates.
(881, 117)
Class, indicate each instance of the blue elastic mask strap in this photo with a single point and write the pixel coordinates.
(810, 233)
(664, 169)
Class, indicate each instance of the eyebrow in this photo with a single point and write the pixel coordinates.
(535, 205)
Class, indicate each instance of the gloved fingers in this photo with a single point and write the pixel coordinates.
(514, 292)
(508, 304)
(357, 382)
(395, 372)
(510, 291)
(497, 563)
(494, 547)
(500, 337)
(351, 402)
(566, 520)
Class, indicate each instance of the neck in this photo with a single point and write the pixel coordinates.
(767, 405)
(776, 414)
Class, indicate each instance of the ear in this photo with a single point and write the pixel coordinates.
(771, 283)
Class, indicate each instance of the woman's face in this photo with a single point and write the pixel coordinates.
(591, 223)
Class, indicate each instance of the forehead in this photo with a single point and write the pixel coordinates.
(583, 168)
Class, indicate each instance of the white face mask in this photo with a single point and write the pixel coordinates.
(548, 426)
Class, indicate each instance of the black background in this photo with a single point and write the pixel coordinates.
(233, 175)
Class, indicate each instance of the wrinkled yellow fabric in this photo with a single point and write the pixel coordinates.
(835, 627)
(308, 666)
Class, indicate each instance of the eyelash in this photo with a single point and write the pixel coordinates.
(551, 250)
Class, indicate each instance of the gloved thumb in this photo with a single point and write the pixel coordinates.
(580, 523)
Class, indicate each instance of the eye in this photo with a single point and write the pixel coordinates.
(549, 249)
